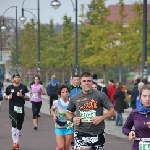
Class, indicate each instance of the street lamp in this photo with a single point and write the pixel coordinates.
(76, 67)
(55, 4)
(4, 27)
(144, 62)
(0, 39)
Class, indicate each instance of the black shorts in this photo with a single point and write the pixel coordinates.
(86, 141)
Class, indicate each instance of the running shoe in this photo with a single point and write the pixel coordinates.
(35, 128)
(18, 145)
(15, 146)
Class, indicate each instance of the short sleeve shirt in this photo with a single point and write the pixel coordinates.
(36, 96)
(16, 100)
(88, 106)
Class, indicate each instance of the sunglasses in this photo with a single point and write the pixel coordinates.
(86, 80)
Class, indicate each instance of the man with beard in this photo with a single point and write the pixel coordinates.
(89, 119)
(16, 94)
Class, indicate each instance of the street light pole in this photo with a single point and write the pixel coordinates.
(0, 39)
(55, 4)
(76, 37)
(144, 62)
(16, 43)
(76, 67)
(3, 27)
(39, 64)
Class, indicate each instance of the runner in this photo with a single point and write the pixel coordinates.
(36, 91)
(74, 89)
(40, 82)
(140, 119)
(58, 110)
(16, 94)
(89, 119)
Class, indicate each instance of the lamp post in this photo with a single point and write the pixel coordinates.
(0, 39)
(4, 27)
(55, 4)
(76, 66)
(144, 62)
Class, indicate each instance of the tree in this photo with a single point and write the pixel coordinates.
(28, 45)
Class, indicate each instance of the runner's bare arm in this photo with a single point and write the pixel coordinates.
(43, 92)
(109, 114)
(7, 97)
(52, 111)
(26, 98)
(69, 115)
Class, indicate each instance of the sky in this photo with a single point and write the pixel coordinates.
(46, 11)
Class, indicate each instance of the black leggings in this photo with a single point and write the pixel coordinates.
(36, 106)
(16, 119)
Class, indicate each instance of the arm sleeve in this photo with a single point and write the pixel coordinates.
(42, 87)
(55, 104)
(26, 89)
(128, 124)
(105, 101)
(71, 106)
(7, 91)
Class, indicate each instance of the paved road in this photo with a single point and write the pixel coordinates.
(44, 137)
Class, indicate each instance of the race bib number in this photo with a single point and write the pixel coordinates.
(86, 116)
(90, 139)
(35, 95)
(144, 144)
(18, 109)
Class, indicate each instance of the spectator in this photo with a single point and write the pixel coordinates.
(102, 86)
(140, 85)
(95, 80)
(94, 86)
(134, 93)
(119, 104)
(51, 89)
(111, 90)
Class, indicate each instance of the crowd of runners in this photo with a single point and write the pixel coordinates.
(77, 111)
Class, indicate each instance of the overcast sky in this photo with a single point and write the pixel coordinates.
(46, 11)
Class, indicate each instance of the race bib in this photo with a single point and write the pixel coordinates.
(144, 144)
(35, 95)
(90, 139)
(86, 116)
(18, 109)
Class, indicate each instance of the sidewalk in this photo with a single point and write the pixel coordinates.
(111, 128)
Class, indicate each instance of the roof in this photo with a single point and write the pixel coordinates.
(114, 12)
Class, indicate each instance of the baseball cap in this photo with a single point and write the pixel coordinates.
(16, 74)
